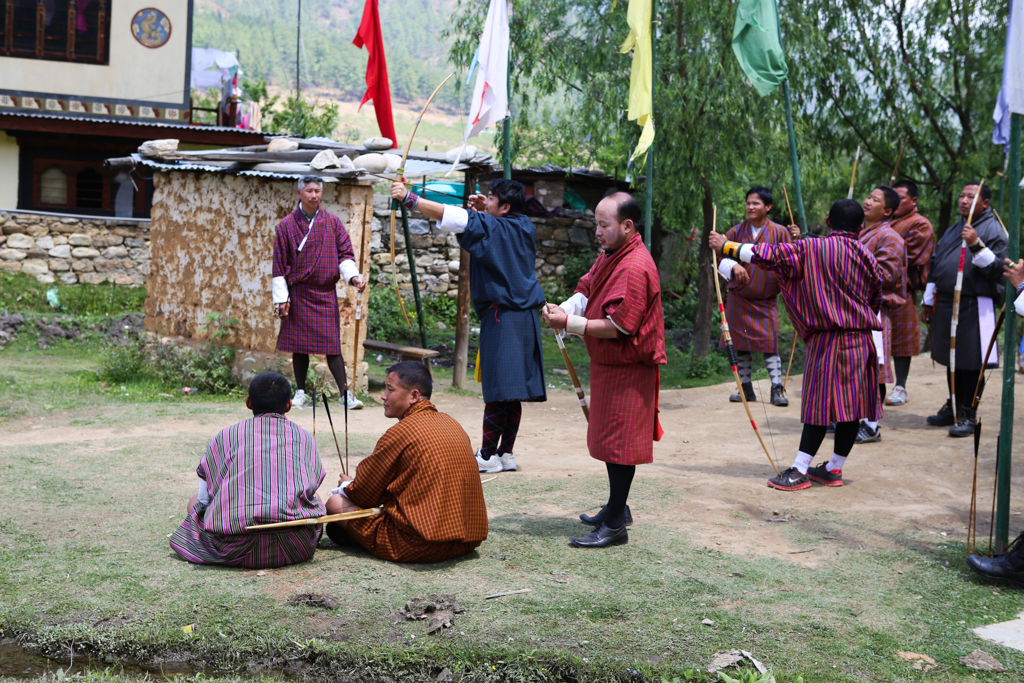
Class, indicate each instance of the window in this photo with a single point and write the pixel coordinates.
(89, 190)
(62, 30)
(53, 187)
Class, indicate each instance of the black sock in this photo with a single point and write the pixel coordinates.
(337, 366)
(846, 436)
(620, 478)
(810, 440)
(902, 367)
(300, 363)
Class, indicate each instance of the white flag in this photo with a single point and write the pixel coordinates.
(1011, 94)
(490, 95)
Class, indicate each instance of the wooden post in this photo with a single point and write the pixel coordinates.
(462, 316)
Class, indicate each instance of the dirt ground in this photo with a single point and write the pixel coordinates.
(917, 477)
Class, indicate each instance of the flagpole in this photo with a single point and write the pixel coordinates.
(1005, 444)
(649, 172)
(797, 186)
(298, 41)
(506, 129)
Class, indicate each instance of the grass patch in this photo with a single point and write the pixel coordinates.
(23, 293)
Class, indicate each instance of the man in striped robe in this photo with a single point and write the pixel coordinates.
(424, 476)
(260, 471)
(886, 245)
(750, 307)
(833, 292)
(616, 308)
(919, 239)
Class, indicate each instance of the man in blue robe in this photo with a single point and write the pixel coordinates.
(506, 296)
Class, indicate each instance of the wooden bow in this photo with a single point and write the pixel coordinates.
(954, 321)
(400, 175)
(326, 519)
(972, 515)
(728, 345)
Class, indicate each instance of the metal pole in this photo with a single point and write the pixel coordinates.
(1009, 349)
(793, 159)
(298, 40)
(649, 173)
(415, 281)
(1002, 184)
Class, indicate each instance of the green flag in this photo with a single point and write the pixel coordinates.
(758, 45)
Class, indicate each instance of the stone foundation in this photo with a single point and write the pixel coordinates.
(75, 249)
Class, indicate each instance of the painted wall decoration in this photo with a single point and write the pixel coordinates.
(151, 27)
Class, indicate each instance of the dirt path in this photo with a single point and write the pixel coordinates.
(916, 478)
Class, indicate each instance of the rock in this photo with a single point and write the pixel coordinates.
(920, 662)
(345, 164)
(123, 279)
(68, 278)
(560, 234)
(394, 161)
(555, 259)
(80, 240)
(419, 226)
(382, 259)
(579, 236)
(982, 661)
(92, 278)
(722, 660)
(453, 266)
(378, 143)
(82, 266)
(12, 255)
(282, 145)
(115, 252)
(373, 163)
(707, 622)
(58, 265)
(35, 267)
(20, 241)
(424, 261)
(559, 371)
(460, 153)
(85, 252)
(325, 159)
(60, 251)
(158, 148)
(37, 230)
(106, 241)
(10, 266)
(441, 325)
(44, 243)
(559, 271)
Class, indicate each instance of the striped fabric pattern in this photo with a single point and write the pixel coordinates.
(886, 245)
(750, 309)
(260, 471)
(832, 288)
(313, 323)
(919, 239)
(423, 473)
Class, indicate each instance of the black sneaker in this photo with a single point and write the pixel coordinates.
(943, 418)
(866, 434)
(748, 390)
(790, 480)
(822, 475)
(965, 419)
(779, 396)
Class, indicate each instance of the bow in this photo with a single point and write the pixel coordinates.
(853, 177)
(896, 168)
(400, 175)
(728, 345)
(792, 352)
(580, 396)
(972, 515)
(956, 306)
(326, 519)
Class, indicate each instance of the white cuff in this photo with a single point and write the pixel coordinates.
(1018, 304)
(341, 489)
(725, 267)
(983, 258)
(203, 494)
(454, 219)
(348, 270)
(575, 304)
(747, 253)
(279, 290)
(576, 324)
(617, 326)
(929, 294)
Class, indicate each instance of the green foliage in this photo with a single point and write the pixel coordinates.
(206, 367)
(21, 292)
(385, 321)
(219, 326)
(747, 676)
(303, 117)
(124, 360)
(712, 365)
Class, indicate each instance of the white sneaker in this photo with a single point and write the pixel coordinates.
(488, 465)
(353, 402)
(508, 462)
(898, 396)
(300, 399)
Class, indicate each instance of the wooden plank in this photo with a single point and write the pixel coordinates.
(399, 349)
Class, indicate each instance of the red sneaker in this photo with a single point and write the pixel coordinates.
(822, 475)
(790, 480)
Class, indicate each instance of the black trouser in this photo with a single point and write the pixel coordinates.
(966, 381)
(813, 435)
(300, 362)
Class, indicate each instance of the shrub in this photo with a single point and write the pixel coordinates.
(206, 367)
(123, 360)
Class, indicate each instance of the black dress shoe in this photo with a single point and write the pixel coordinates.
(598, 519)
(602, 537)
(1007, 567)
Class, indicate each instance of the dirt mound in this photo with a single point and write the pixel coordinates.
(441, 609)
(314, 600)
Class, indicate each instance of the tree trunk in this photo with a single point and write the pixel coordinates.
(945, 214)
(705, 279)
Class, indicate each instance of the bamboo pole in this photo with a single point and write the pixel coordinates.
(853, 176)
(896, 168)
(572, 372)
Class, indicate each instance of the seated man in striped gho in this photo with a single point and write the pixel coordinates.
(260, 471)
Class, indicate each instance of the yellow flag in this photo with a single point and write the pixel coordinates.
(641, 103)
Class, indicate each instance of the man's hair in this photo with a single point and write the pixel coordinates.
(846, 215)
(909, 185)
(892, 200)
(413, 375)
(307, 179)
(269, 392)
(763, 193)
(626, 208)
(986, 191)
(509, 192)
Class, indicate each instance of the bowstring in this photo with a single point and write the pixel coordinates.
(764, 407)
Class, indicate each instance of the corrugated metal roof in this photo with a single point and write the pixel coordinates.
(156, 123)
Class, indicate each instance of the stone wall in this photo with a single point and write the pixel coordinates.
(437, 251)
(75, 249)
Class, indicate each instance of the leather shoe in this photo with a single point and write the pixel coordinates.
(602, 537)
(1007, 567)
(598, 519)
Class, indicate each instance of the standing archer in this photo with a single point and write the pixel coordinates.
(750, 309)
(312, 251)
(506, 294)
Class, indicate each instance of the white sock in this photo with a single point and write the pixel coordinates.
(802, 462)
(835, 464)
(872, 425)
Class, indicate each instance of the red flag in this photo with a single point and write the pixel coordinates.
(376, 70)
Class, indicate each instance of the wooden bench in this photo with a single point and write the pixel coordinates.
(403, 352)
